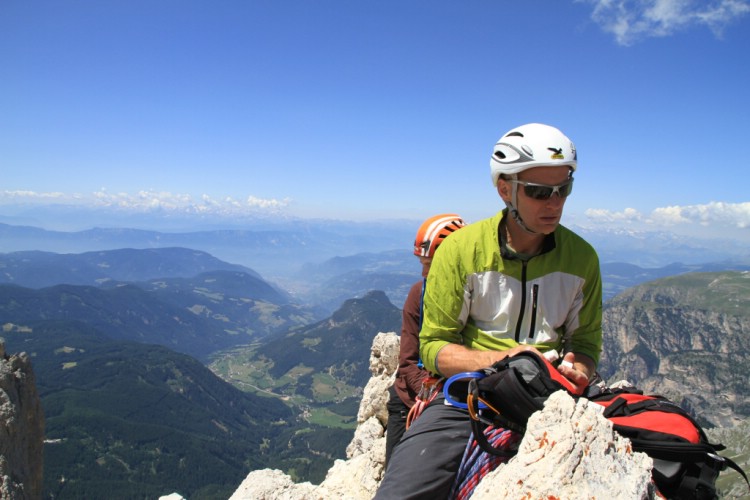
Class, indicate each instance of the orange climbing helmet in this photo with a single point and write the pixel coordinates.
(433, 231)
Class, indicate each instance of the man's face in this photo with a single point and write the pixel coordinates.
(426, 262)
(541, 216)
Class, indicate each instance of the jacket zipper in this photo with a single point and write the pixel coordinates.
(534, 300)
(523, 301)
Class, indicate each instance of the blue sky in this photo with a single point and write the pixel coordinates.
(367, 110)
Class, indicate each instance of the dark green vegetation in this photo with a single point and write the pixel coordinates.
(320, 369)
(132, 419)
(128, 420)
(196, 316)
(127, 417)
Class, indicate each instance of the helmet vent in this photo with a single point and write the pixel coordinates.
(500, 154)
(515, 134)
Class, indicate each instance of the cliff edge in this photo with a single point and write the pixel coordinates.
(570, 451)
(21, 429)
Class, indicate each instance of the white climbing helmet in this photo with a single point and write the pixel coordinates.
(531, 145)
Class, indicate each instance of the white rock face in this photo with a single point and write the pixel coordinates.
(172, 496)
(272, 484)
(569, 451)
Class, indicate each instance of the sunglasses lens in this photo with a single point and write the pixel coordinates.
(546, 192)
(538, 192)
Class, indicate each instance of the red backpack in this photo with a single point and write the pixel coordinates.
(686, 463)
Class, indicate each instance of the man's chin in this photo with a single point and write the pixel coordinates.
(548, 227)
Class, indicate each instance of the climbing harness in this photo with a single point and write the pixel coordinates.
(430, 389)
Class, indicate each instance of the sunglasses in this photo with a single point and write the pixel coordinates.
(545, 192)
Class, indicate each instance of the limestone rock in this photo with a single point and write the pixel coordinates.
(570, 451)
(21, 429)
(272, 484)
(383, 366)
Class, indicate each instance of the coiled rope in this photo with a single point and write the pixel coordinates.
(477, 463)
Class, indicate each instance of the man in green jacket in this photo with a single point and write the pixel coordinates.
(516, 281)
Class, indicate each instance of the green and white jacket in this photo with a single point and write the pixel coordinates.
(484, 300)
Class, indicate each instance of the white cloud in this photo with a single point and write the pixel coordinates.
(149, 201)
(670, 215)
(31, 196)
(633, 20)
(734, 215)
(600, 215)
(731, 214)
(265, 203)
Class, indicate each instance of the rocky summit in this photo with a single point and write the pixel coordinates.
(21, 428)
(570, 451)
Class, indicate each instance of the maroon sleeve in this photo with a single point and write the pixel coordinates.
(410, 376)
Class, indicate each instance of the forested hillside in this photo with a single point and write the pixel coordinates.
(133, 420)
(122, 405)
(688, 337)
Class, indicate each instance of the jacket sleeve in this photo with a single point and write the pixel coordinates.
(444, 304)
(586, 319)
(408, 358)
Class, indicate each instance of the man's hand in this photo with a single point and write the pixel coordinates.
(578, 368)
(455, 358)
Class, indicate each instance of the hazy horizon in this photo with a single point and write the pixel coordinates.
(368, 111)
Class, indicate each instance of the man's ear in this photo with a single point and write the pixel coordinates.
(503, 189)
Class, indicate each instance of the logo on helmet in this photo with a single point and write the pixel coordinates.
(557, 154)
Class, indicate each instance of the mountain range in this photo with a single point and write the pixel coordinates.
(105, 375)
(280, 249)
(141, 420)
(214, 309)
(318, 288)
(115, 334)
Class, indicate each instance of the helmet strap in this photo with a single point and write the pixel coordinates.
(514, 203)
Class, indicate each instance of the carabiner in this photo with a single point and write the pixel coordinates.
(461, 377)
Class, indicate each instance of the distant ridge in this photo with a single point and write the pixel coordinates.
(37, 269)
(122, 313)
(280, 248)
(197, 316)
(270, 248)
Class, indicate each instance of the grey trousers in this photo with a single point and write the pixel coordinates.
(426, 460)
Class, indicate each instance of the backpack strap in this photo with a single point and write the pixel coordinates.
(701, 486)
(479, 423)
